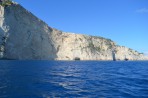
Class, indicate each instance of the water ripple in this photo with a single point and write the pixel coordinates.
(85, 79)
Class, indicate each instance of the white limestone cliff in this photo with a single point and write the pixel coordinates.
(29, 37)
(25, 37)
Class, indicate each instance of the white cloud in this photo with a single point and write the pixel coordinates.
(146, 53)
(142, 10)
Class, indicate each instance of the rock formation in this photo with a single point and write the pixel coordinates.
(25, 37)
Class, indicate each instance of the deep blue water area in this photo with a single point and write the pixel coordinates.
(72, 79)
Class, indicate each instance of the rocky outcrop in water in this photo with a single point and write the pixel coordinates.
(25, 37)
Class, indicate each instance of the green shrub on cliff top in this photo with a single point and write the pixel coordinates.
(5, 2)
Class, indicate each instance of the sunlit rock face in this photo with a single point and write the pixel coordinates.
(70, 46)
(25, 37)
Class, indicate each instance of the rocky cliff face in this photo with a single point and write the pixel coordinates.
(24, 36)
(70, 46)
(28, 37)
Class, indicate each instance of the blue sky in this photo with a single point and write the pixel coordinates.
(123, 21)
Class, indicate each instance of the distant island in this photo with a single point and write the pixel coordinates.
(25, 37)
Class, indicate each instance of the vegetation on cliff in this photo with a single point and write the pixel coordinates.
(5, 2)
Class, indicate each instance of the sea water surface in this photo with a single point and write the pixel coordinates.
(72, 79)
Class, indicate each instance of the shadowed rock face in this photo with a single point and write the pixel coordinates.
(24, 36)
(29, 37)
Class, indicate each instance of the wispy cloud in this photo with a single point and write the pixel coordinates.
(142, 10)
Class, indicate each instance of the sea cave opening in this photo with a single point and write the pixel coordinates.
(77, 58)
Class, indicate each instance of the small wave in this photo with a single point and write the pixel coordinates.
(3, 87)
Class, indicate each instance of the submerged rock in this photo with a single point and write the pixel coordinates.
(29, 38)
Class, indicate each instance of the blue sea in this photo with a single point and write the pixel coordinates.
(73, 79)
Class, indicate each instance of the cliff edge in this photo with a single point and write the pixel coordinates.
(25, 37)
